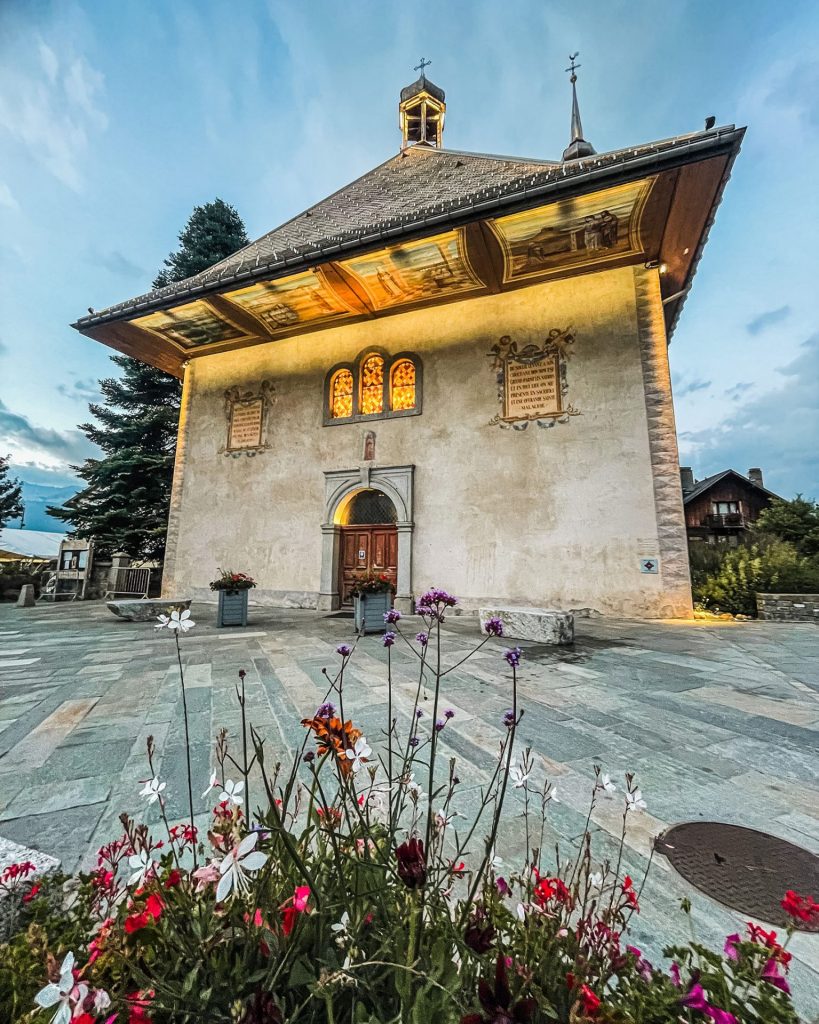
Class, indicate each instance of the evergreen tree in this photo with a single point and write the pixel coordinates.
(11, 497)
(795, 521)
(124, 505)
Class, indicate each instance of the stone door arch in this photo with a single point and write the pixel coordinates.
(339, 486)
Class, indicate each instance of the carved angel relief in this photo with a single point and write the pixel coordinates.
(246, 412)
(532, 383)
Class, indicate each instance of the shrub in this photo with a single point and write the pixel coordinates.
(355, 893)
(727, 578)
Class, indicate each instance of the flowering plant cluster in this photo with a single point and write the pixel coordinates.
(227, 580)
(349, 888)
(372, 583)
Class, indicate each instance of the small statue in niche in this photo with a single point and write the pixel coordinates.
(369, 446)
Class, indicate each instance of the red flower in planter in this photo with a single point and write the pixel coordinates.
(497, 1004)
(412, 869)
(803, 908)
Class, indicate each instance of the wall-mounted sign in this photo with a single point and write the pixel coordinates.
(247, 413)
(651, 565)
(531, 380)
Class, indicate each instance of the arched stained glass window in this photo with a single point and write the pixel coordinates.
(341, 395)
(372, 385)
(402, 385)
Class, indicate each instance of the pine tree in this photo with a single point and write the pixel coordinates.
(125, 503)
(11, 497)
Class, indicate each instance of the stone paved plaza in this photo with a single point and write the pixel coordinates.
(718, 721)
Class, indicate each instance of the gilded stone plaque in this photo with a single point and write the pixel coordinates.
(246, 413)
(532, 382)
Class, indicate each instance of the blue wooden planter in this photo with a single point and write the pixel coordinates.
(232, 609)
(369, 611)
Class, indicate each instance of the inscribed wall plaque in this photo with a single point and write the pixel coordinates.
(532, 390)
(246, 424)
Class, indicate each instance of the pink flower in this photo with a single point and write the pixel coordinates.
(675, 974)
(205, 876)
(300, 898)
(771, 973)
(730, 947)
(721, 1016)
(694, 999)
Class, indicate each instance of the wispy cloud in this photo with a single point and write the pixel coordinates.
(738, 390)
(684, 387)
(116, 263)
(86, 390)
(767, 319)
(777, 430)
(42, 445)
(51, 108)
(7, 198)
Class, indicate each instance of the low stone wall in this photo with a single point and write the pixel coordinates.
(788, 607)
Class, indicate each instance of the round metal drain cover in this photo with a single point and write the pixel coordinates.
(744, 869)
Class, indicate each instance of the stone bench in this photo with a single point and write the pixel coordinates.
(540, 625)
(144, 609)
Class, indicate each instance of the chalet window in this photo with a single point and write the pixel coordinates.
(725, 508)
(376, 386)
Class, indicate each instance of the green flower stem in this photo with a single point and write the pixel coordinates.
(187, 742)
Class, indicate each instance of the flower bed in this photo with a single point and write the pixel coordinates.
(347, 889)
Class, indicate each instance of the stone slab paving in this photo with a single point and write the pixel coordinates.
(718, 720)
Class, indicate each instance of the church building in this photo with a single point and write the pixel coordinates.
(453, 370)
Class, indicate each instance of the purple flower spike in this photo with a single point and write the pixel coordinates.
(449, 713)
(389, 638)
(513, 656)
(414, 741)
(344, 650)
(392, 616)
(440, 724)
(422, 638)
(418, 712)
(493, 626)
(326, 710)
(509, 718)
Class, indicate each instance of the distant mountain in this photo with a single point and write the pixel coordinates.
(37, 498)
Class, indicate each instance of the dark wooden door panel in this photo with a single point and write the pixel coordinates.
(366, 548)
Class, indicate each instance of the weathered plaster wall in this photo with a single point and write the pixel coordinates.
(557, 516)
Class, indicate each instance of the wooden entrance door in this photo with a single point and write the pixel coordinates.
(365, 548)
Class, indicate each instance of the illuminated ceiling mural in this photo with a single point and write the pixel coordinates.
(191, 326)
(575, 232)
(427, 269)
(304, 298)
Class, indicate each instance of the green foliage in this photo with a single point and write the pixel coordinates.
(794, 521)
(14, 574)
(11, 496)
(726, 578)
(125, 502)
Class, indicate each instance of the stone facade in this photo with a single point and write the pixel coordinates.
(788, 607)
(561, 516)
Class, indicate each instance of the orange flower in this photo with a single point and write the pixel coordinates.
(333, 737)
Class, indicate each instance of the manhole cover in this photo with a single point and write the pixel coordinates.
(746, 870)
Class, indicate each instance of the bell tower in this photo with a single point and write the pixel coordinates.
(421, 111)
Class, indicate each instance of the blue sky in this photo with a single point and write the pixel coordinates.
(117, 118)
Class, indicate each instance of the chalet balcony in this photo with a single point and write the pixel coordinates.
(725, 521)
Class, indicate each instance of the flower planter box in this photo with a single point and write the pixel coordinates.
(232, 610)
(369, 611)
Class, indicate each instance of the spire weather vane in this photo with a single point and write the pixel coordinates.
(574, 67)
(425, 64)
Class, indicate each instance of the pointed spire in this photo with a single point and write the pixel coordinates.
(578, 147)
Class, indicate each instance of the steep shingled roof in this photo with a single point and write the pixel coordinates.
(419, 189)
(701, 486)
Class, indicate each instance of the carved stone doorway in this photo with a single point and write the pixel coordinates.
(367, 510)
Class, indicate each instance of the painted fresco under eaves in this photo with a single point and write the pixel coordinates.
(304, 298)
(190, 326)
(426, 269)
(575, 232)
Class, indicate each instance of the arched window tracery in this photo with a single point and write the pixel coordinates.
(376, 386)
(341, 395)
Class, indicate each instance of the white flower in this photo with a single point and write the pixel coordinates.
(152, 789)
(212, 784)
(518, 776)
(552, 795)
(60, 992)
(359, 753)
(606, 784)
(634, 801)
(495, 862)
(596, 880)
(101, 1000)
(242, 858)
(521, 912)
(143, 866)
(340, 929)
(232, 793)
(177, 621)
(442, 819)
